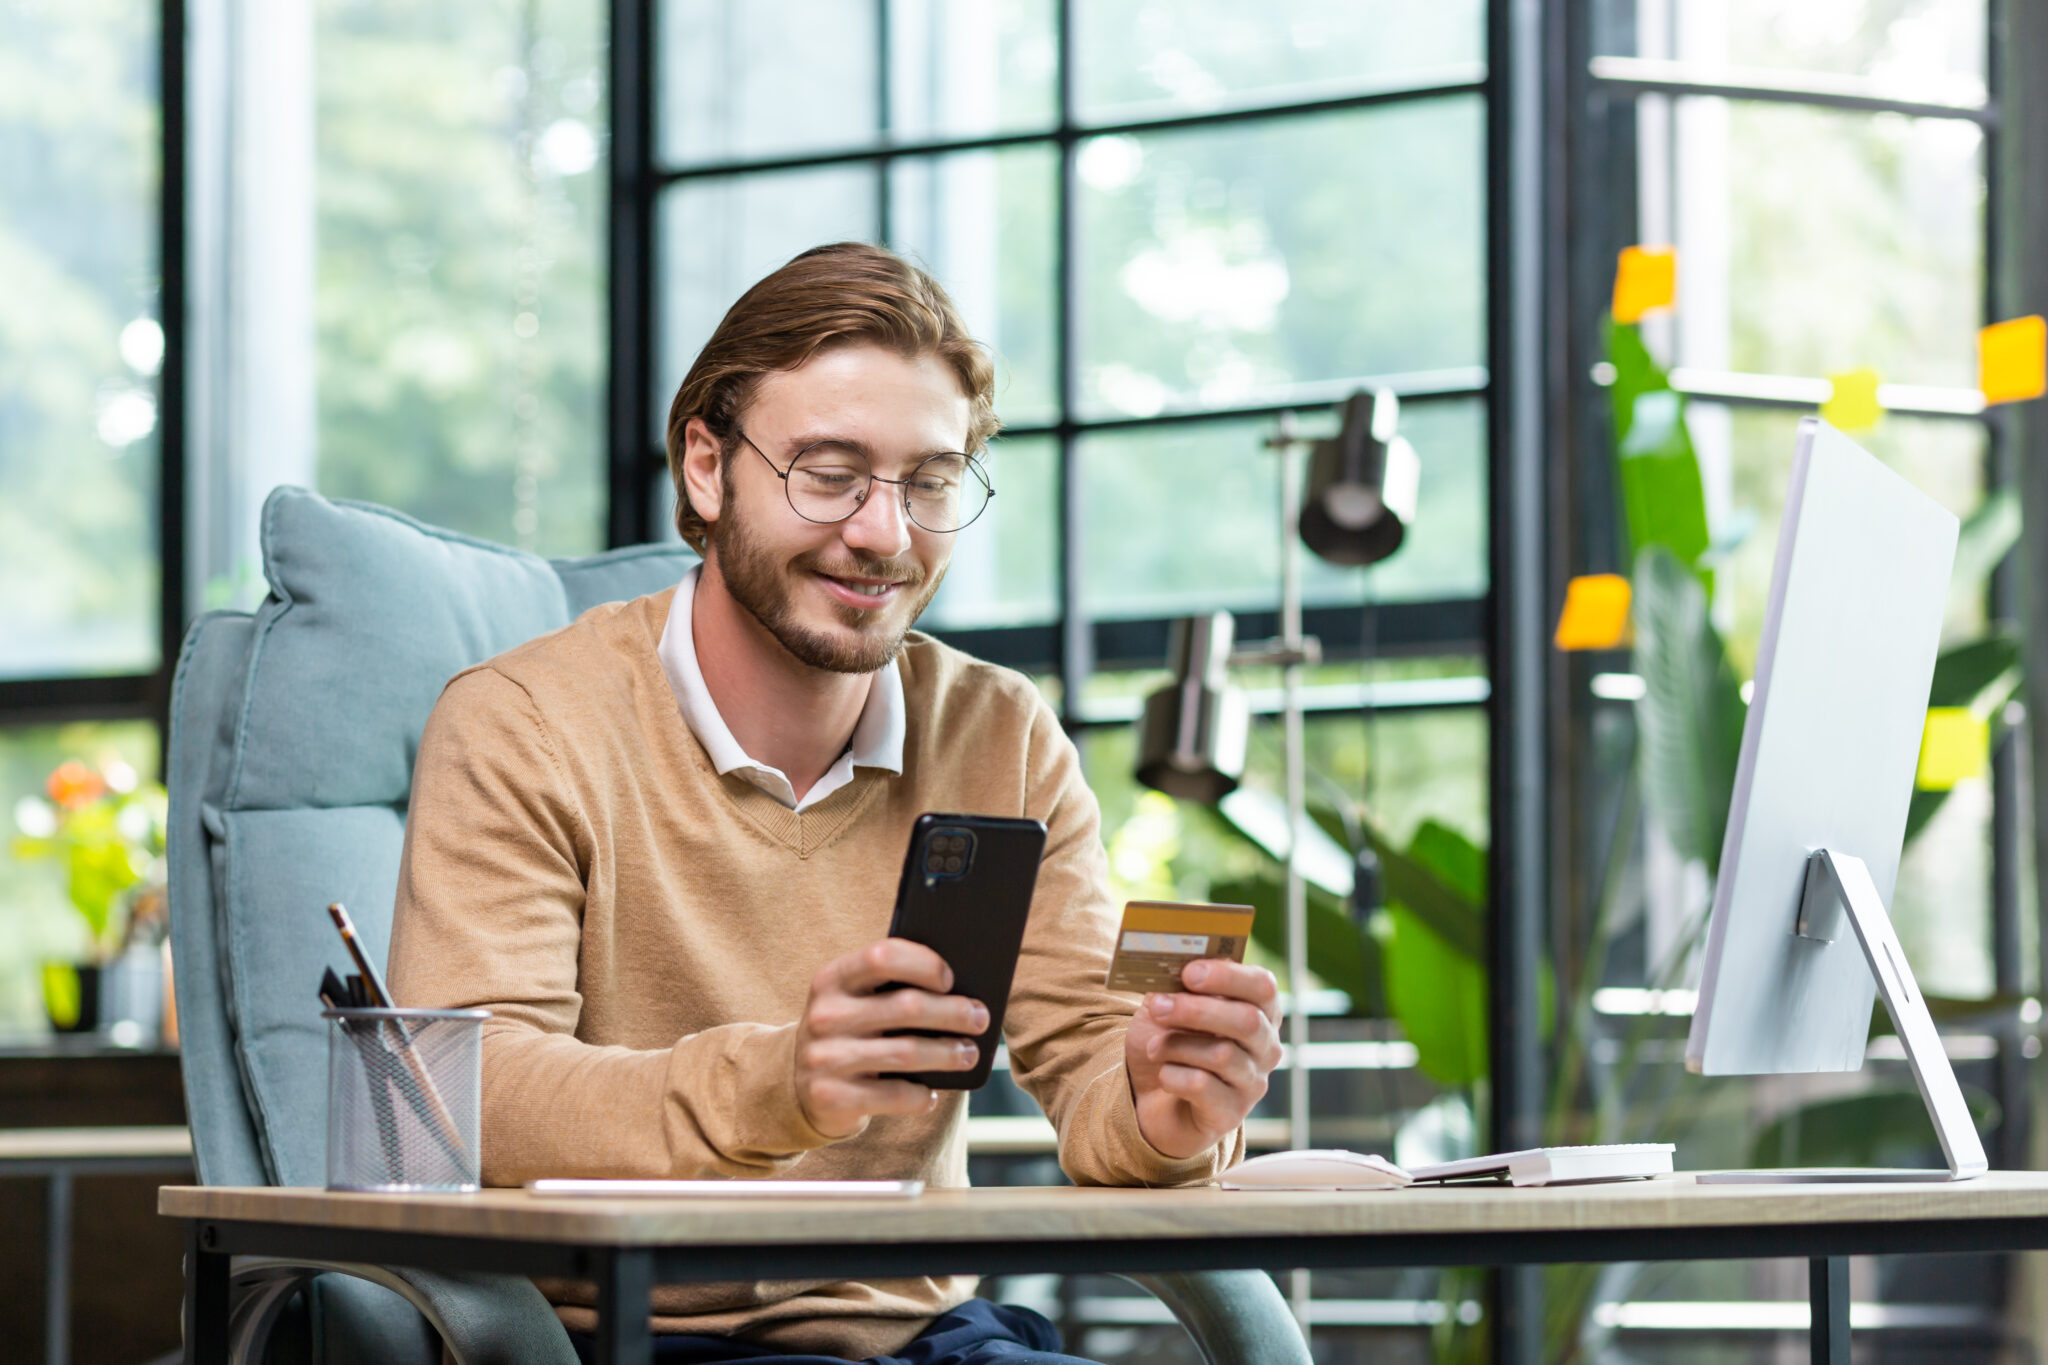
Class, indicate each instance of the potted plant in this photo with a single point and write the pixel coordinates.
(105, 826)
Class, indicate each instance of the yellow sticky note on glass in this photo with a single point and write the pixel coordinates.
(1595, 614)
(2012, 360)
(1853, 406)
(1644, 278)
(1955, 746)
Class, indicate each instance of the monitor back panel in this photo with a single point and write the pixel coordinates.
(1829, 750)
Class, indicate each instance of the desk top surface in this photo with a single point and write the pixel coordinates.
(1037, 1213)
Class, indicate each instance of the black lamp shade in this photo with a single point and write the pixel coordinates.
(1362, 485)
(1191, 740)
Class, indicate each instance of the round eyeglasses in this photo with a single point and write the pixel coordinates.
(830, 481)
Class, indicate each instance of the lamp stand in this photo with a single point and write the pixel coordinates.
(1287, 445)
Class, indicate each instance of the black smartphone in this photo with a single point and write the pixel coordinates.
(965, 893)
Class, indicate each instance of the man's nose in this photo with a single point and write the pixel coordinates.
(881, 526)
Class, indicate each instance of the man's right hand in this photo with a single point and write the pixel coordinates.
(842, 1047)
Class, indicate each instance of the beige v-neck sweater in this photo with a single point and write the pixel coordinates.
(644, 933)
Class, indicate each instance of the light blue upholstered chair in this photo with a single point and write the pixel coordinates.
(293, 731)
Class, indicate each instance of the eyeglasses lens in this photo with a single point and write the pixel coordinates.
(829, 483)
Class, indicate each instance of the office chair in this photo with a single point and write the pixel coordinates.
(293, 731)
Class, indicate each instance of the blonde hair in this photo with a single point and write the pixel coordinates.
(844, 294)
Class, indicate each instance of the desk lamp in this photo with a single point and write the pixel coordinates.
(1361, 499)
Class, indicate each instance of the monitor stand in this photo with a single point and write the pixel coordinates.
(1835, 881)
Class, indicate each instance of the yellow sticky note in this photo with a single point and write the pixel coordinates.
(1644, 278)
(1955, 745)
(2012, 360)
(1595, 614)
(1853, 406)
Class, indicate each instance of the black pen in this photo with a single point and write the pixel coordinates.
(373, 984)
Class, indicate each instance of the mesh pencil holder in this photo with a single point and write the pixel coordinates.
(404, 1099)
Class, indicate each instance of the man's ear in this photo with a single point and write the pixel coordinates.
(703, 472)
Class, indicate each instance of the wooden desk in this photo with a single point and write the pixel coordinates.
(60, 1154)
(626, 1246)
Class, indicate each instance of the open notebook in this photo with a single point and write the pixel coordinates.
(1341, 1170)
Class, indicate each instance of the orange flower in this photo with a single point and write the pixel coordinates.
(74, 785)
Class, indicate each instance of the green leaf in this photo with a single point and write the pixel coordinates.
(1691, 712)
(1965, 672)
(1636, 373)
(1987, 537)
(1663, 497)
(1456, 861)
(1456, 918)
(1438, 993)
(1339, 952)
(1887, 1127)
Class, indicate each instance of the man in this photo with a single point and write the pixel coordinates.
(661, 845)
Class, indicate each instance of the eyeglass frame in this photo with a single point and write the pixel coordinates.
(974, 466)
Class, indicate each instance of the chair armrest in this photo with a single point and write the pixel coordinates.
(482, 1319)
(1236, 1317)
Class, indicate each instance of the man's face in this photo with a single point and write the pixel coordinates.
(838, 596)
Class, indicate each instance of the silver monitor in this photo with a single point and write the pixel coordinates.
(1799, 942)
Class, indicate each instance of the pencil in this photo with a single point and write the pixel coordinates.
(380, 997)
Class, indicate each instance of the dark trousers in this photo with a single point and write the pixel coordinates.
(976, 1333)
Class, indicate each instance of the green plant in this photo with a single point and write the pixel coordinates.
(105, 827)
(1421, 958)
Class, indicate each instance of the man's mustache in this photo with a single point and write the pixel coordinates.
(873, 569)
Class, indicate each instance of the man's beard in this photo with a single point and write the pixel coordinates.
(758, 582)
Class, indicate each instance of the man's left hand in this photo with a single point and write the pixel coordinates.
(1198, 1059)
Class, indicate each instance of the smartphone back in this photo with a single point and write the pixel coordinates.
(965, 893)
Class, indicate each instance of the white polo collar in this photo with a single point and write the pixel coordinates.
(877, 736)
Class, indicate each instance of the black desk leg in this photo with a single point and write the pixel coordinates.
(206, 1300)
(625, 1286)
(1827, 1286)
(57, 1271)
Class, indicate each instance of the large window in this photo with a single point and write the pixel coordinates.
(1823, 171)
(81, 342)
(457, 218)
(1172, 223)
(1168, 225)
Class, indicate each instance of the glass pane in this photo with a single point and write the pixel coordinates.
(964, 70)
(719, 236)
(1914, 49)
(40, 923)
(80, 343)
(1943, 459)
(766, 77)
(1185, 518)
(984, 223)
(1005, 568)
(1221, 265)
(460, 297)
(1851, 241)
(1140, 57)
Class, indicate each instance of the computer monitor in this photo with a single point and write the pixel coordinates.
(1799, 941)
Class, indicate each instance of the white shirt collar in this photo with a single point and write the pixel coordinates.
(877, 735)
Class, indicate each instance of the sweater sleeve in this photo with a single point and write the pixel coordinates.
(490, 913)
(1064, 1027)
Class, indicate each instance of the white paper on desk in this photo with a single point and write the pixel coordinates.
(1317, 1169)
(729, 1189)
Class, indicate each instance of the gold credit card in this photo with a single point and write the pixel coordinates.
(1158, 938)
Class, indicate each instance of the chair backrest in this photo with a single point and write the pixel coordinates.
(293, 732)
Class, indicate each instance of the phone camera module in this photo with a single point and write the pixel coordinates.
(948, 853)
